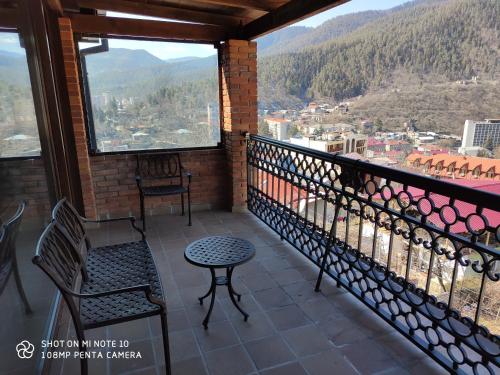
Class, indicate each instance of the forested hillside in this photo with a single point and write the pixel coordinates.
(296, 38)
(452, 40)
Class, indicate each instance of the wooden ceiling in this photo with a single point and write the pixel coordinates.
(246, 19)
(189, 20)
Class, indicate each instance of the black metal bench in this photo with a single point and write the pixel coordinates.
(101, 285)
(161, 175)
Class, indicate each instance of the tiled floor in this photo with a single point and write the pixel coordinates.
(291, 330)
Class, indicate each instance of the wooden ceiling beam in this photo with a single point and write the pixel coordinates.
(265, 6)
(161, 11)
(291, 12)
(9, 18)
(56, 6)
(71, 5)
(138, 28)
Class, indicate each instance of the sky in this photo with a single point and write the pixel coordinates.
(10, 42)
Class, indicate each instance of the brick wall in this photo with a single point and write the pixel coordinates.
(77, 116)
(116, 190)
(239, 102)
(24, 179)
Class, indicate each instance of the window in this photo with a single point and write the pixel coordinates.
(427, 166)
(451, 168)
(144, 95)
(18, 127)
(476, 172)
(463, 170)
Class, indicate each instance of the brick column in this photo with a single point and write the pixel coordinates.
(77, 117)
(239, 107)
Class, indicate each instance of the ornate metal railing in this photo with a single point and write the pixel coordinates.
(422, 253)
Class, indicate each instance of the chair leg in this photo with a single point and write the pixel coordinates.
(143, 214)
(166, 347)
(182, 203)
(84, 369)
(19, 286)
(189, 206)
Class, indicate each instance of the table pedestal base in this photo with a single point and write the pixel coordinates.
(221, 281)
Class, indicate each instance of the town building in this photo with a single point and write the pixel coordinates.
(375, 145)
(455, 166)
(479, 135)
(402, 146)
(344, 143)
(278, 127)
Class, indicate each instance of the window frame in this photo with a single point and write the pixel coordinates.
(87, 101)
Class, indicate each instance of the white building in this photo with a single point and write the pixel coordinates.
(278, 127)
(345, 143)
(477, 133)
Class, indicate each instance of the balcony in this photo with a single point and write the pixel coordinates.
(291, 329)
(383, 305)
(359, 268)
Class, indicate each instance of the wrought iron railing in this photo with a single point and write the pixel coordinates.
(422, 253)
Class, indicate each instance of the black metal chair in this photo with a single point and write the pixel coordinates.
(8, 257)
(100, 285)
(152, 174)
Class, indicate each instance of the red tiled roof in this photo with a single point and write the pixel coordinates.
(472, 162)
(397, 143)
(463, 208)
(375, 142)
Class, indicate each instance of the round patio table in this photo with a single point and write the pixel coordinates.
(220, 252)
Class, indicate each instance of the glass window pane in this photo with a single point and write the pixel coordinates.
(18, 130)
(153, 95)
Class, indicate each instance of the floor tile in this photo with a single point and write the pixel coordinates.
(287, 276)
(182, 346)
(191, 366)
(218, 335)
(269, 351)
(229, 361)
(317, 308)
(177, 320)
(256, 327)
(272, 298)
(294, 368)
(307, 340)
(328, 363)
(145, 348)
(258, 281)
(288, 317)
(367, 356)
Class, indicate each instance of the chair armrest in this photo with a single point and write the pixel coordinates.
(189, 176)
(129, 218)
(146, 288)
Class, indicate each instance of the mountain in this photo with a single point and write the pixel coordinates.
(144, 72)
(13, 70)
(297, 38)
(181, 59)
(274, 42)
(431, 41)
(121, 59)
